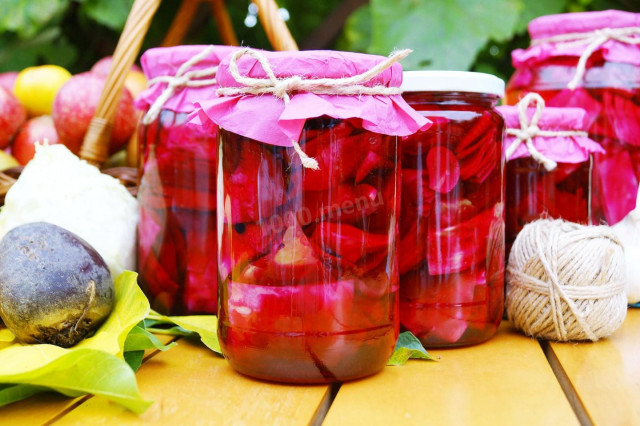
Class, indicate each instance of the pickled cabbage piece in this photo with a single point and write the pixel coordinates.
(460, 246)
(253, 181)
(324, 307)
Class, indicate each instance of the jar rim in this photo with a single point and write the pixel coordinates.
(452, 81)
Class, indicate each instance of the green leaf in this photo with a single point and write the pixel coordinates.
(408, 347)
(86, 371)
(94, 365)
(110, 13)
(205, 325)
(444, 34)
(134, 359)
(13, 393)
(535, 8)
(28, 17)
(140, 339)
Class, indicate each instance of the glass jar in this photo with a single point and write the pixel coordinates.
(558, 183)
(609, 91)
(177, 238)
(309, 276)
(451, 246)
(308, 266)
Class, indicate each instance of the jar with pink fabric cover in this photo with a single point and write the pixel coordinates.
(177, 249)
(549, 165)
(308, 190)
(591, 60)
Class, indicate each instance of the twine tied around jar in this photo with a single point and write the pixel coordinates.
(182, 78)
(595, 39)
(529, 129)
(283, 88)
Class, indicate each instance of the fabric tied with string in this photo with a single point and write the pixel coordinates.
(614, 34)
(549, 135)
(268, 96)
(178, 76)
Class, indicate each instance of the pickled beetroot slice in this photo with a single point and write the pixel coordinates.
(346, 201)
(622, 115)
(319, 307)
(616, 184)
(347, 241)
(444, 169)
(461, 246)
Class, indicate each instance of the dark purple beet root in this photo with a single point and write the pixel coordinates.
(54, 287)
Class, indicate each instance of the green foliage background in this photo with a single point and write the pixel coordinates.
(444, 34)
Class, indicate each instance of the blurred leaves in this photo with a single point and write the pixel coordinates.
(27, 17)
(444, 34)
(110, 13)
(449, 34)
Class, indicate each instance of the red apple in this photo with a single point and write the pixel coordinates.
(8, 79)
(75, 105)
(103, 66)
(12, 115)
(35, 130)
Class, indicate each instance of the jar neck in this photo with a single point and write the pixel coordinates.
(451, 98)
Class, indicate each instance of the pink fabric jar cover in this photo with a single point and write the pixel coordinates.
(268, 119)
(165, 61)
(583, 22)
(561, 149)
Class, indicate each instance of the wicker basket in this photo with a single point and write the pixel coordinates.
(95, 146)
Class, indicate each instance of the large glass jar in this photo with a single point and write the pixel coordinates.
(177, 239)
(309, 280)
(608, 89)
(308, 264)
(451, 247)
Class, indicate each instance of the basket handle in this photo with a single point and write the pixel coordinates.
(95, 146)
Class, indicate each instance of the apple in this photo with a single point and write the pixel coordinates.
(8, 79)
(103, 66)
(12, 115)
(35, 130)
(76, 103)
(7, 161)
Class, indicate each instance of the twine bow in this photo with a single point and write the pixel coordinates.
(595, 39)
(529, 129)
(283, 88)
(182, 78)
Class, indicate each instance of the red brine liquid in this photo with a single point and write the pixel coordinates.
(610, 94)
(308, 272)
(177, 239)
(451, 246)
(533, 192)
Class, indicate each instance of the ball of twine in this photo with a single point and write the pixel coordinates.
(565, 281)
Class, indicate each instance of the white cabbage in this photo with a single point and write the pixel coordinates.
(59, 188)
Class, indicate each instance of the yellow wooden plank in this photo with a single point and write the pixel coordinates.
(191, 385)
(506, 380)
(606, 374)
(41, 408)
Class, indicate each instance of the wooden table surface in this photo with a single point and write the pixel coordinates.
(511, 379)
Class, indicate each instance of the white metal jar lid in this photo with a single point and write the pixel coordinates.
(452, 81)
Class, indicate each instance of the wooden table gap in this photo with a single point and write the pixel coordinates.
(565, 384)
(325, 404)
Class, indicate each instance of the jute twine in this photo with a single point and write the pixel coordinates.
(283, 88)
(529, 130)
(184, 77)
(593, 40)
(565, 281)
